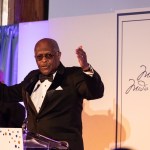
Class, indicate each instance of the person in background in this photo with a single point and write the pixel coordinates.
(12, 115)
(53, 94)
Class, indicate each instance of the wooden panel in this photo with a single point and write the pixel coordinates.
(10, 12)
(27, 10)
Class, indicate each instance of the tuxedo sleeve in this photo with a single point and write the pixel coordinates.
(11, 93)
(89, 87)
(14, 93)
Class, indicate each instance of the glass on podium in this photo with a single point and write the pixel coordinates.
(35, 141)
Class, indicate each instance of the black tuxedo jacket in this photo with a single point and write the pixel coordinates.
(60, 115)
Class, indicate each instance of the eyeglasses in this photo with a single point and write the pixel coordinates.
(47, 56)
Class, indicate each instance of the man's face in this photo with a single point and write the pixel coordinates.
(47, 59)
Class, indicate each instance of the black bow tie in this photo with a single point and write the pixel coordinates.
(42, 77)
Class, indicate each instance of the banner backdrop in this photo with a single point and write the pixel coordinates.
(133, 78)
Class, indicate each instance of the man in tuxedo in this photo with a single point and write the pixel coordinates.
(53, 94)
(12, 115)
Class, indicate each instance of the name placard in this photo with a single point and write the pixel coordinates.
(11, 139)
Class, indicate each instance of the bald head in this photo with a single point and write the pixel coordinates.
(51, 43)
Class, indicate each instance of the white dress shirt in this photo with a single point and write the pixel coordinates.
(39, 93)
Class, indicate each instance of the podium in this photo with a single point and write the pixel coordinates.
(40, 142)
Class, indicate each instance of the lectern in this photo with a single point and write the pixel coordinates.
(38, 141)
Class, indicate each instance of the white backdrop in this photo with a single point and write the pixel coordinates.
(96, 33)
(29, 34)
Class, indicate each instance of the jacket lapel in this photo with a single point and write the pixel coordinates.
(29, 84)
(58, 78)
(56, 82)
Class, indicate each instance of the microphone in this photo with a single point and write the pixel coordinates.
(24, 125)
